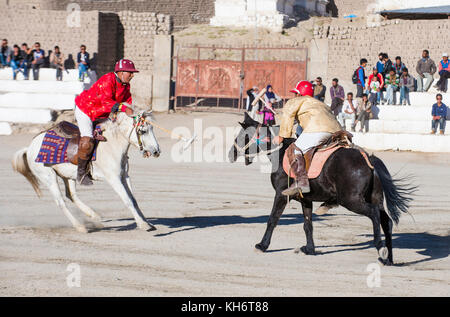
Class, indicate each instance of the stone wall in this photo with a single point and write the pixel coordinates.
(183, 12)
(346, 7)
(348, 43)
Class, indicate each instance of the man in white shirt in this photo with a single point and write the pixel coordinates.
(348, 111)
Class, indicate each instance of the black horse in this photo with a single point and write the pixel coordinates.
(346, 180)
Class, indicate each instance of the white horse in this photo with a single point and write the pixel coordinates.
(111, 164)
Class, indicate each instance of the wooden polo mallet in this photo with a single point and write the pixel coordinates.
(259, 97)
(187, 142)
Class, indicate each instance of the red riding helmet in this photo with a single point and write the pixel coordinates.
(125, 65)
(304, 88)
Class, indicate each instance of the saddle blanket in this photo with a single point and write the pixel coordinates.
(318, 161)
(54, 149)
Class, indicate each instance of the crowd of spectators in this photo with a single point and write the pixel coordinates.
(22, 59)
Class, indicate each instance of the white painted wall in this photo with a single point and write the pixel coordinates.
(380, 5)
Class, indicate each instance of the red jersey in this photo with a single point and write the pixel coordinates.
(380, 79)
(104, 97)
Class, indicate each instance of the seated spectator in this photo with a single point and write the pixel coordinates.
(28, 58)
(5, 53)
(426, 69)
(17, 62)
(376, 74)
(406, 85)
(364, 114)
(444, 73)
(348, 111)
(38, 60)
(82, 63)
(337, 96)
(57, 61)
(439, 115)
(399, 66)
(374, 88)
(319, 90)
(391, 83)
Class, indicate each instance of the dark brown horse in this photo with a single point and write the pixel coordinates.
(345, 180)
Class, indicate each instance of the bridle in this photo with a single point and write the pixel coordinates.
(258, 140)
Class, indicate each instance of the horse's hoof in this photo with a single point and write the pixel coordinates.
(307, 250)
(146, 226)
(259, 247)
(383, 253)
(152, 228)
(386, 262)
(81, 229)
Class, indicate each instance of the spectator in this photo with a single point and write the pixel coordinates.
(337, 96)
(348, 111)
(17, 62)
(319, 90)
(439, 114)
(376, 74)
(387, 65)
(83, 63)
(5, 53)
(361, 78)
(57, 61)
(380, 63)
(268, 112)
(365, 111)
(28, 58)
(399, 66)
(38, 60)
(426, 69)
(374, 88)
(444, 73)
(391, 83)
(406, 85)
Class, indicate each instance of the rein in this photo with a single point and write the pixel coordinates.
(256, 139)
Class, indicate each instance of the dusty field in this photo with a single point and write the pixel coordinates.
(209, 216)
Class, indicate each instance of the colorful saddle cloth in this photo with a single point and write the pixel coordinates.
(54, 148)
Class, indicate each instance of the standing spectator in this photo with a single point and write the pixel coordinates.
(28, 59)
(376, 74)
(348, 111)
(38, 60)
(406, 85)
(252, 93)
(387, 65)
(57, 61)
(268, 113)
(374, 88)
(17, 62)
(83, 63)
(391, 83)
(319, 90)
(399, 66)
(360, 78)
(426, 69)
(444, 73)
(337, 96)
(439, 114)
(380, 63)
(5, 53)
(365, 110)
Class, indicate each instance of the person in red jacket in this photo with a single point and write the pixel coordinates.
(110, 94)
(380, 79)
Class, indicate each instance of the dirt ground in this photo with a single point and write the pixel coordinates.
(209, 217)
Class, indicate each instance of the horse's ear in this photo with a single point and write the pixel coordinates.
(247, 118)
(242, 124)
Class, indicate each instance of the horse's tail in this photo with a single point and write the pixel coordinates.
(20, 164)
(398, 192)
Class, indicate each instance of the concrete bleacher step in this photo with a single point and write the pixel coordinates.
(403, 142)
(397, 127)
(41, 86)
(48, 74)
(24, 115)
(5, 128)
(37, 101)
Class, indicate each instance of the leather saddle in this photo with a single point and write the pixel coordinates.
(329, 145)
(71, 132)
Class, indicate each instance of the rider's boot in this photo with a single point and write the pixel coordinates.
(85, 148)
(301, 183)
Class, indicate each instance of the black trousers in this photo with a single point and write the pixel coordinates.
(442, 82)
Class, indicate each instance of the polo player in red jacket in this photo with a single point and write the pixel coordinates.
(110, 94)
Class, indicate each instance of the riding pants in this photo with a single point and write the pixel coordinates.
(308, 140)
